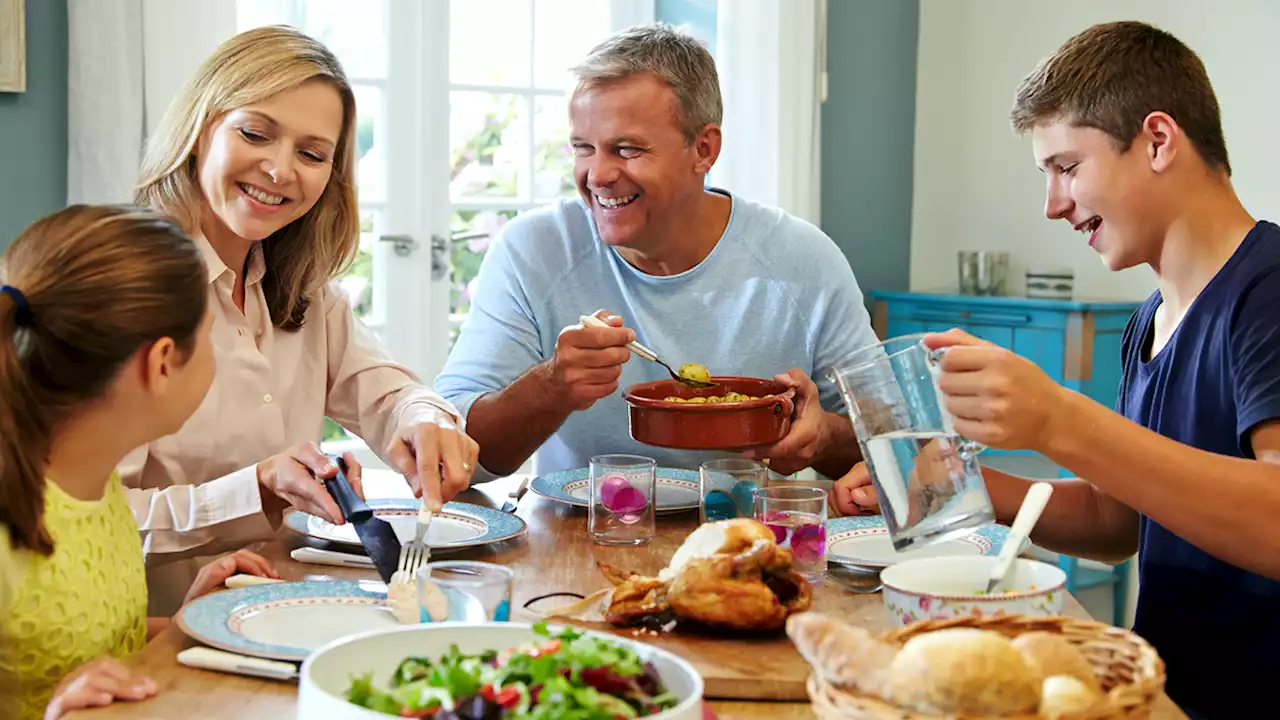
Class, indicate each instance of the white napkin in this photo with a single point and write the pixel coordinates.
(221, 661)
(330, 557)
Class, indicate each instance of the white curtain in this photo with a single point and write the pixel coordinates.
(127, 60)
(771, 57)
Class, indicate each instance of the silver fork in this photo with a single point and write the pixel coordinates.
(415, 554)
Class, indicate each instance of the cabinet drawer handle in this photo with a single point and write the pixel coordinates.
(971, 317)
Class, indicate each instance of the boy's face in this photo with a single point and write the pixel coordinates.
(1106, 195)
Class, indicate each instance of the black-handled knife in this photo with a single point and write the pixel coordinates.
(377, 536)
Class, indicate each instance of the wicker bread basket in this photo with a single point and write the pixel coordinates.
(1131, 673)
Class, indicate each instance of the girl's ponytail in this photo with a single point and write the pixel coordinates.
(24, 439)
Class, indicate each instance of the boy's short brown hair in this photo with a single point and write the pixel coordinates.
(1111, 76)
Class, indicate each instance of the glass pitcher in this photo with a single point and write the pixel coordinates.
(926, 475)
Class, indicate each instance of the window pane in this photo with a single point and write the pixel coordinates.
(370, 144)
(354, 31)
(358, 281)
(564, 32)
(485, 144)
(552, 158)
(489, 42)
(466, 255)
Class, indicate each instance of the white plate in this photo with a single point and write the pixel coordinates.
(864, 541)
(286, 621)
(675, 489)
(459, 525)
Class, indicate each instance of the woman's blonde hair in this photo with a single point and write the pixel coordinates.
(249, 68)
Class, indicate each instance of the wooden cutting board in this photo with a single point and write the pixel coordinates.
(762, 667)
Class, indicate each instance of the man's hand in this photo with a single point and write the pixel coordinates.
(97, 683)
(436, 458)
(212, 576)
(295, 477)
(807, 437)
(588, 360)
(854, 494)
(998, 398)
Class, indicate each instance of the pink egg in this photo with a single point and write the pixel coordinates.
(610, 487)
(808, 542)
(627, 500)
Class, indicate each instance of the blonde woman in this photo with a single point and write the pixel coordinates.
(256, 159)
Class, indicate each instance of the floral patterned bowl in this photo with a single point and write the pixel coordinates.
(949, 587)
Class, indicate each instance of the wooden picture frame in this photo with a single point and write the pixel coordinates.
(13, 46)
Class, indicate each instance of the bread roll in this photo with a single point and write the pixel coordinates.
(845, 655)
(963, 670)
(1063, 695)
(1050, 654)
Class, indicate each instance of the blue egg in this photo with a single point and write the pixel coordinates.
(742, 495)
(719, 506)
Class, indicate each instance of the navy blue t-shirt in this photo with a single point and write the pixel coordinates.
(1216, 626)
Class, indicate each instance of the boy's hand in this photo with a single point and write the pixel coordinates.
(854, 494)
(998, 398)
(96, 683)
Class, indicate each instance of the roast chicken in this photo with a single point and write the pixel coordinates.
(729, 575)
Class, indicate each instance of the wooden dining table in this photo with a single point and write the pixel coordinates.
(555, 555)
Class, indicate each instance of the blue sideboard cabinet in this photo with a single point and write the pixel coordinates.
(1076, 342)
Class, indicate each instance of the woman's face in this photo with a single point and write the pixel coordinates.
(265, 165)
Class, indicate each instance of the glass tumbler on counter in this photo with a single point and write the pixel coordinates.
(621, 508)
(727, 487)
(798, 518)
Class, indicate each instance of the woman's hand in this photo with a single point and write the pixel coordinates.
(436, 458)
(296, 477)
(97, 683)
(213, 575)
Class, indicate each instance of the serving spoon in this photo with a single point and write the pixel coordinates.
(651, 356)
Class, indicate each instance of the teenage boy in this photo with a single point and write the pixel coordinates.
(1125, 125)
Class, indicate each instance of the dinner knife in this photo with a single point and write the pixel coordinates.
(376, 535)
(510, 505)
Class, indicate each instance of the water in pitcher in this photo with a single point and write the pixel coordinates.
(929, 484)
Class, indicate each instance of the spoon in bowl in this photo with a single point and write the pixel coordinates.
(1028, 513)
(685, 375)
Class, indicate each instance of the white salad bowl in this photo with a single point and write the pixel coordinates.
(950, 587)
(327, 672)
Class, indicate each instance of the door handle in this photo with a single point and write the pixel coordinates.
(404, 246)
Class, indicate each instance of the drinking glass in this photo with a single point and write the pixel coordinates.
(464, 591)
(798, 518)
(926, 475)
(621, 507)
(726, 486)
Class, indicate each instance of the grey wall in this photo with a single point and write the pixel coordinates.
(33, 125)
(868, 132)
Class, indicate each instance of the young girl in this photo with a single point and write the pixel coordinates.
(104, 346)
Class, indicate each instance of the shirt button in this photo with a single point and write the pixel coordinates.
(266, 398)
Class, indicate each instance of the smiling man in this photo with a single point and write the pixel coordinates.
(1126, 128)
(695, 273)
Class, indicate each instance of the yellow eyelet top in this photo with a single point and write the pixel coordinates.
(87, 599)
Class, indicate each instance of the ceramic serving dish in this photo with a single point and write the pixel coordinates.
(709, 425)
(326, 674)
(950, 587)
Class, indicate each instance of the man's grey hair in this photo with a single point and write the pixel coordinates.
(674, 57)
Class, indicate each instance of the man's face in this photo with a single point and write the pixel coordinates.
(1107, 195)
(632, 164)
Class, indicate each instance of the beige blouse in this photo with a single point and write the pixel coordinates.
(195, 493)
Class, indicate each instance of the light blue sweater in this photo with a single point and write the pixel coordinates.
(775, 293)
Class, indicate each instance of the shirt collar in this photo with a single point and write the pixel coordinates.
(257, 265)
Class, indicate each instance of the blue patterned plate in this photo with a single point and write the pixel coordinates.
(864, 541)
(676, 489)
(286, 621)
(459, 525)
